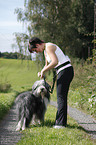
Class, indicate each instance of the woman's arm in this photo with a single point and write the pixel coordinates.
(46, 62)
(54, 60)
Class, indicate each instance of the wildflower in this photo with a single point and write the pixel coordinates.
(89, 100)
(91, 105)
(76, 103)
(93, 96)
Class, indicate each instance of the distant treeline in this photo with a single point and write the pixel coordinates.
(14, 55)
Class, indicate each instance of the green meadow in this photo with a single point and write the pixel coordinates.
(17, 76)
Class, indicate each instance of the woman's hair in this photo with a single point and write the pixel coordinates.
(33, 41)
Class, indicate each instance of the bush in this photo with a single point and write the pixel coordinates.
(83, 88)
(5, 87)
(6, 101)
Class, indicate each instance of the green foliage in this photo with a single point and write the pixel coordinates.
(6, 101)
(14, 55)
(5, 87)
(83, 88)
(81, 27)
(67, 23)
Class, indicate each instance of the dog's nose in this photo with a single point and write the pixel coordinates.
(42, 89)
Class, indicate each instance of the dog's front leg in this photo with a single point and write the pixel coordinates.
(18, 127)
(34, 119)
(24, 124)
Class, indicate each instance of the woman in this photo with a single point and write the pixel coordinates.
(55, 58)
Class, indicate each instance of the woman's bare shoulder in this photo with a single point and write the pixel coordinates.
(50, 46)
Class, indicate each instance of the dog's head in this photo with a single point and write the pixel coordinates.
(39, 90)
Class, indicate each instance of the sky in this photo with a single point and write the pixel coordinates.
(9, 24)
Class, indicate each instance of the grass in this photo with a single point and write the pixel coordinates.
(45, 134)
(17, 73)
(21, 75)
(6, 101)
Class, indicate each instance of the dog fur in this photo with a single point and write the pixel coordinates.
(32, 105)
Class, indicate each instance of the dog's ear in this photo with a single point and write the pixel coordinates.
(37, 84)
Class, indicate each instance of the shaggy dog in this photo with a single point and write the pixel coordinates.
(32, 105)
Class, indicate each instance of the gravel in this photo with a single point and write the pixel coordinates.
(8, 135)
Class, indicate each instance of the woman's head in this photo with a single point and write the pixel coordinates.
(33, 42)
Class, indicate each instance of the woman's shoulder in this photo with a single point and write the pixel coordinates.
(50, 46)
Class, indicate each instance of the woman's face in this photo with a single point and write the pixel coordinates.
(39, 48)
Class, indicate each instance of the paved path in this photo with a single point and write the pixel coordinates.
(85, 121)
(8, 135)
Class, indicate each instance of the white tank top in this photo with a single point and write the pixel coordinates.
(62, 58)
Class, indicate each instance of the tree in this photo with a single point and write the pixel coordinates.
(68, 23)
(22, 43)
(82, 26)
(47, 19)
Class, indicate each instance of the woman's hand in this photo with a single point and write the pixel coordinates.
(41, 74)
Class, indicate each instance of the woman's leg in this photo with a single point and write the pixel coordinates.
(63, 83)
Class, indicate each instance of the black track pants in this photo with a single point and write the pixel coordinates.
(63, 82)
